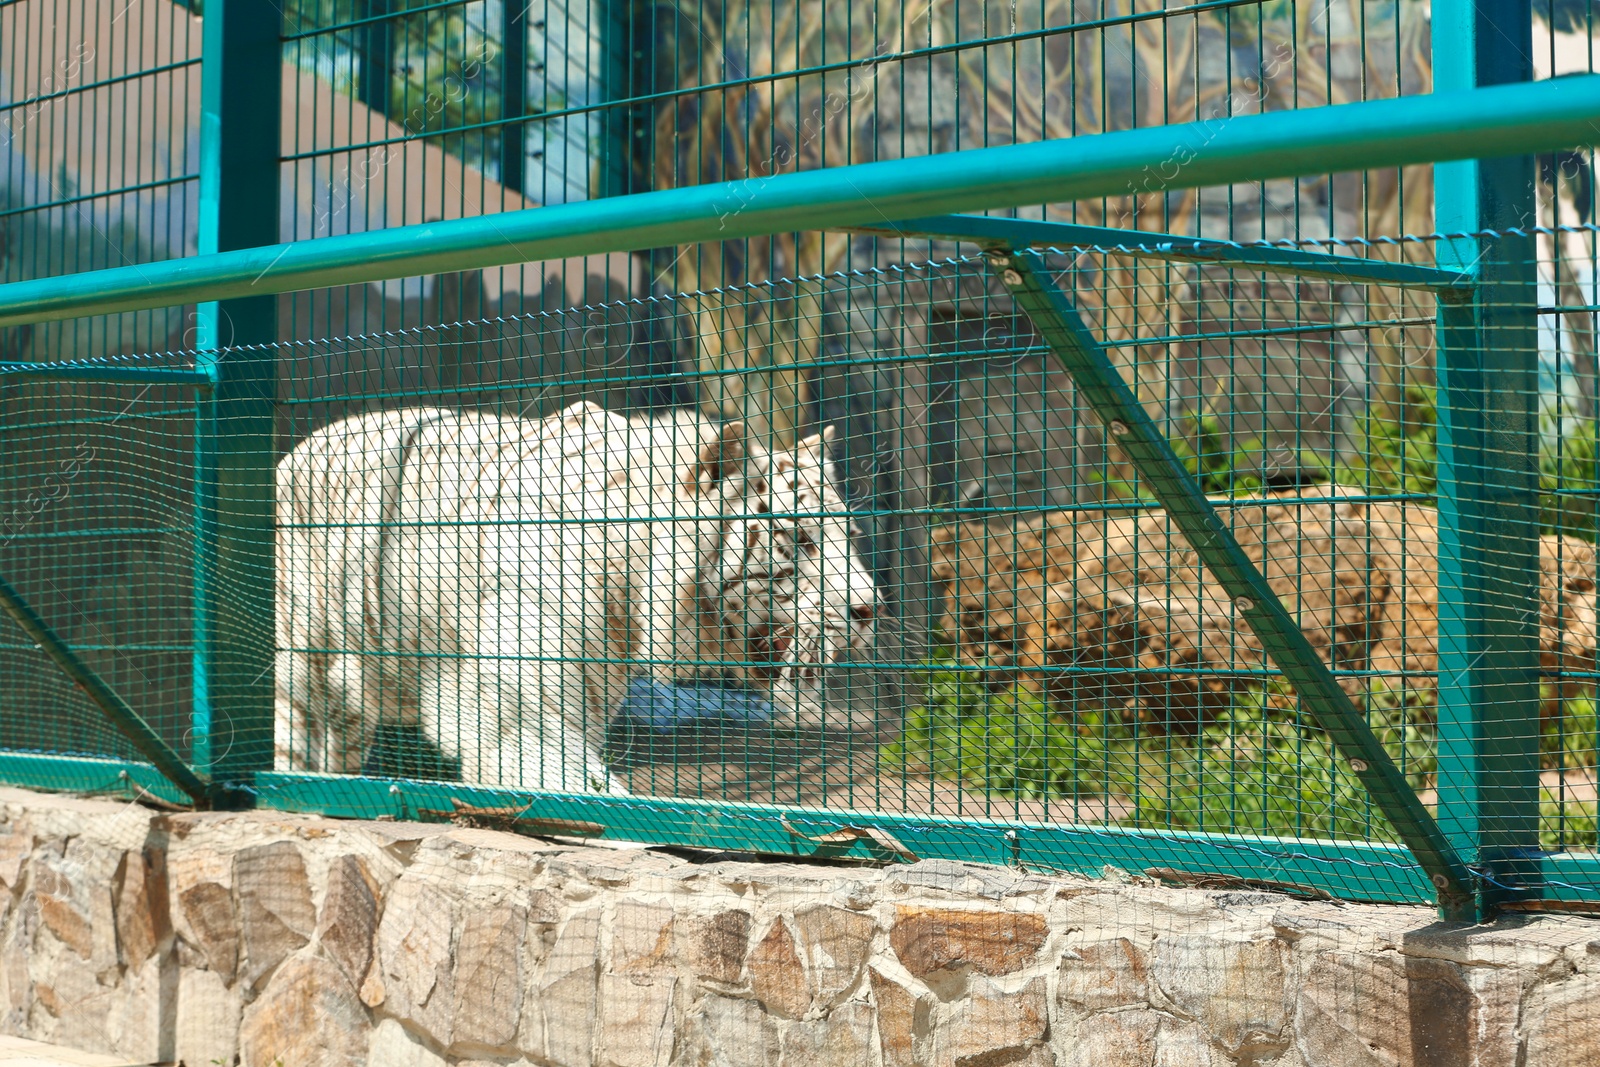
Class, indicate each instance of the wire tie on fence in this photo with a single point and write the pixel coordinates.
(846, 835)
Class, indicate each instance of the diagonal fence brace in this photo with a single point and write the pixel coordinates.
(122, 716)
(1102, 387)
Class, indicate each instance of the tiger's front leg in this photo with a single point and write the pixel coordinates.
(512, 710)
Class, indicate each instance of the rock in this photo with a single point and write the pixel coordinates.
(1371, 1009)
(306, 1016)
(139, 903)
(1233, 988)
(992, 1026)
(15, 848)
(1112, 1039)
(132, 1019)
(208, 910)
(349, 917)
(639, 1021)
(714, 945)
(488, 978)
(273, 897)
(208, 1018)
(735, 1033)
(930, 939)
(905, 1021)
(61, 909)
(564, 1030)
(1101, 975)
(393, 1045)
(842, 1039)
(776, 975)
(1558, 1019)
(836, 943)
(641, 938)
(413, 963)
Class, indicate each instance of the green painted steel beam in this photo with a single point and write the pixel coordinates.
(1035, 233)
(108, 372)
(1164, 475)
(1350, 870)
(1280, 144)
(235, 447)
(52, 773)
(1488, 478)
(1570, 876)
(116, 710)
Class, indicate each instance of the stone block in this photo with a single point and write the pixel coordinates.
(1559, 1022)
(905, 1021)
(732, 1033)
(989, 941)
(488, 978)
(15, 848)
(139, 904)
(60, 898)
(775, 973)
(1234, 988)
(1110, 1039)
(1378, 1009)
(349, 919)
(392, 1045)
(641, 938)
(1102, 975)
(209, 1013)
(212, 920)
(306, 1016)
(562, 1030)
(713, 946)
(836, 943)
(842, 1038)
(640, 1020)
(992, 1026)
(273, 897)
(414, 965)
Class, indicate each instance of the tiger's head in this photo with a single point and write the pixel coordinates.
(783, 593)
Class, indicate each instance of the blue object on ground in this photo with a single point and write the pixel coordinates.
(665, 708)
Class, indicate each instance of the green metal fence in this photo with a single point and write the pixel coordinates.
(1189, 512)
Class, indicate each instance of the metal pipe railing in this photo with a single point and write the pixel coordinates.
(1499, 121)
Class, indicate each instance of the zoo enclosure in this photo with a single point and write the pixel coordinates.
(795, 291)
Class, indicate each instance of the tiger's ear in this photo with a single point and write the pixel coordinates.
(719, 458)
(818, 443)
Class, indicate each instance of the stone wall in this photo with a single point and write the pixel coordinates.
(279, 939)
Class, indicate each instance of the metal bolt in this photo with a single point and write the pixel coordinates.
(1358, 765)
(1012, 277)
(1244, 603)
(1441, 881)
(1119, 429)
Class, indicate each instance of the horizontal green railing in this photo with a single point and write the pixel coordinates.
(1505, 120)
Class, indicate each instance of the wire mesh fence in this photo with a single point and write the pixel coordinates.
(958, 605)
(842, 529)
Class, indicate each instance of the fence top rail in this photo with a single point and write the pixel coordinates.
(1497, 121)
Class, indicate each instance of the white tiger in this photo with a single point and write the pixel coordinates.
(498, 580)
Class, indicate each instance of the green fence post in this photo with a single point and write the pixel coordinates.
(513, 95)
(240, 98)
(1488, 477)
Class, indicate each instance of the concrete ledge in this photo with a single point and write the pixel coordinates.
(205, 937)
